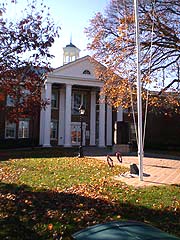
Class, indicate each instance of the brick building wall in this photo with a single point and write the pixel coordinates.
(162, 131)
(33, 138)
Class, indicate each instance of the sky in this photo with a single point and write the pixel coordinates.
(72, 16)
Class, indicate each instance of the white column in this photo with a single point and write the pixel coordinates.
(61, 116)
(109, 126)
(41, 128)
(47, 116)
(119, 114)
(67, 142)
(101, 122)
(93, 119)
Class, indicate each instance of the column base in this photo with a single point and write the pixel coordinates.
(67, 145)
(123, 148)
(46, 145)
(101, 146)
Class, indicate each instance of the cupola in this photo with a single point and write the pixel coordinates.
(70, 53)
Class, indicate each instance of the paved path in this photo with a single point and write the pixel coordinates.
(156, 171)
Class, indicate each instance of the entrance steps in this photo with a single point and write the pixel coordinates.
(97, 151)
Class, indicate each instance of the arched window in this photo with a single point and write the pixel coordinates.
(86, 72)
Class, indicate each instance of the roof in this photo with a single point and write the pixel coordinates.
(71, 45)
(79, 60)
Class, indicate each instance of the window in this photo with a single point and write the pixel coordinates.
(54, 99)
(132, 132)
(23, 131)
(9, 101)
(87, 72)
(26, 92)
(54, 129)
(78, 98)
(10, 130)
(75, 134)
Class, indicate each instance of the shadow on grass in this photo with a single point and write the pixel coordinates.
(49, 215)
(38, 153)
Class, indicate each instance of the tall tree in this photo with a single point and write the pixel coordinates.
(25, 56)
(112, 36)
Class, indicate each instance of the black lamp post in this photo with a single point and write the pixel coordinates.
(82, 112)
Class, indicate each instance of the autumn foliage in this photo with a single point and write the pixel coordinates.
(25, 56)
(112, 41)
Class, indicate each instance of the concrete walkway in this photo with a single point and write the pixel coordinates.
(156, 171)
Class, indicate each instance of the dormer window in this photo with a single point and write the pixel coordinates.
(86, 72)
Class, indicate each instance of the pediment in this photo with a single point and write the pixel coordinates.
(82, 68)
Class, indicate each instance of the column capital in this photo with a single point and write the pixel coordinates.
(47, 84)
(68, 84)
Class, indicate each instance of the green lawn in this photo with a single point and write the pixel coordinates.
(44, 195)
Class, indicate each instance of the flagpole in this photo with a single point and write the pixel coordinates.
(139, 100)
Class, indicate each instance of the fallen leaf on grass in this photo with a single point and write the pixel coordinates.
(50, 226)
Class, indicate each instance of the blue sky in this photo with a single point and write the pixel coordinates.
(73, 16)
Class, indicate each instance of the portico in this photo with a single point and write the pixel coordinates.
(75, 83)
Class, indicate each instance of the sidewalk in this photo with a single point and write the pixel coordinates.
(156, 171)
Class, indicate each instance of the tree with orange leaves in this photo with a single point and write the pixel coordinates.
(112, 40)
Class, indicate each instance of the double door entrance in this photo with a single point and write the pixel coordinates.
(76, 133)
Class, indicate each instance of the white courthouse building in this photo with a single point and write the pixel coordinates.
(66, 88)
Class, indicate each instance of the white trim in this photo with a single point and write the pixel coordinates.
(74, 80)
